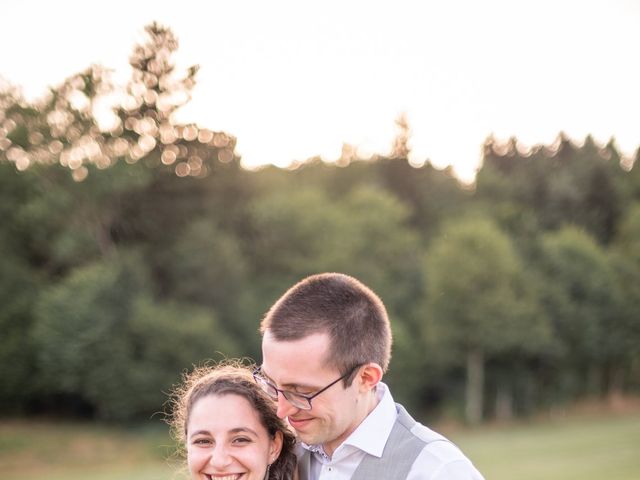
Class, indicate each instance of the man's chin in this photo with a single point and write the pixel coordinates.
(308, 438)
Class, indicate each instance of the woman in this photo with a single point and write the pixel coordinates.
(229, 427)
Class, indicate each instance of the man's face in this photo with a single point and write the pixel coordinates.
(300, 366)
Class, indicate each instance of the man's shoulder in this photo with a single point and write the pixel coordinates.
(427, 438)
(417, 429)
(438, 453)
(427, 435)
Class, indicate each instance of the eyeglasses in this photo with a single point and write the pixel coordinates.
(298, 400)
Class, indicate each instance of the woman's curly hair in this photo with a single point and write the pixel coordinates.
(231, 377)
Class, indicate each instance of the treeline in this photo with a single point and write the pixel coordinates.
(130, 252)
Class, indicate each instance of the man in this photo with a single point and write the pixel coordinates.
(326, 344)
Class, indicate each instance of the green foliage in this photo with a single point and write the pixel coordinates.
(479, 304)
(580, 293)
(169, 338)
(582, 300)
(81, 335)
(477, 294)
(19, 285)
(557, 184)
(304, 231)
(624, 332)
(18, 288)
(99, 336)
(206, 267)
(627, 241)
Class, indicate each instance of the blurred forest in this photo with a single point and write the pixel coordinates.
(133, 247)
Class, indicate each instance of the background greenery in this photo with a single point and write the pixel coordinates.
(133, 248)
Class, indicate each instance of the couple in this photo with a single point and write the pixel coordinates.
(325, 345)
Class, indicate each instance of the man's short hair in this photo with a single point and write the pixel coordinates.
(351, 314)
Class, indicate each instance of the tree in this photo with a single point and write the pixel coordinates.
(401, 148)
(206, 267)
(556, 184)
(624, 335)
(63, 126)
(102, 340)
(146, 117)
(60, 127)
(479, 306)
(19, 285)
(580, 298)
(20, 282)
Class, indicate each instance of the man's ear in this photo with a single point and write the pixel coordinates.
(369, 376)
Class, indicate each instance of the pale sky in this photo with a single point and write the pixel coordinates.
(295, 79)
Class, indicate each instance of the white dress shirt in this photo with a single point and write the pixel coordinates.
(437, 461)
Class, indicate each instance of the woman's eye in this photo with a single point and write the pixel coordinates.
(202, 441)
(241, 440)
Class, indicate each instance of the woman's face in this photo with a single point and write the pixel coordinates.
(227, 441)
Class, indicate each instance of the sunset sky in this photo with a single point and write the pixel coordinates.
(294, 79)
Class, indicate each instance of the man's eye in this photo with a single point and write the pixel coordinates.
(304, 392)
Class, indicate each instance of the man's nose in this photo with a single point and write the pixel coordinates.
(284, 407)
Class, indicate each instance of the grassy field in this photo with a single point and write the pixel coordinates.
(70, 451)
(581, 447)
(584, 447)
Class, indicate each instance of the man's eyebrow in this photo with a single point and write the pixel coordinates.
(286, 386)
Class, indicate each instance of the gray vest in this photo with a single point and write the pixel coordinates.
(399, 454)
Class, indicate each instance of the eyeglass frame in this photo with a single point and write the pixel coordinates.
(261, 380)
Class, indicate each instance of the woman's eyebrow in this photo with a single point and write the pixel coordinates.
(233, 430)
(242, 430)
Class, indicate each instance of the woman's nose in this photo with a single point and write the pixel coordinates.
(220, 456)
